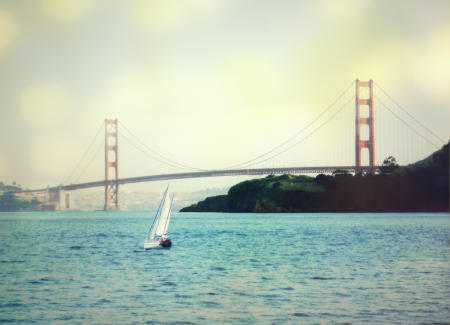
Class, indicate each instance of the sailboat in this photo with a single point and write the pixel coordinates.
(157, 234)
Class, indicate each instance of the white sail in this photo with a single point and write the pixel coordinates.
(162, 218)
(168, 218)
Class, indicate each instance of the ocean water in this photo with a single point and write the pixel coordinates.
(91, 268)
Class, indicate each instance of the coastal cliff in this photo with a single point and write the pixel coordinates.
(423, 186)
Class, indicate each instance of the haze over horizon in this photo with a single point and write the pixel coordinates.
(208, 83)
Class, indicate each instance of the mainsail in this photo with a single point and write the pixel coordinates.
(162, 218)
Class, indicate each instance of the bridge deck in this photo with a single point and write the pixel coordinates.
(212, 173)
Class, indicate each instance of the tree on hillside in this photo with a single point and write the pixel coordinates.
(389, 165)
(9, 202)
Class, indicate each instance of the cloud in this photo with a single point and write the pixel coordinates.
(5, 170)
(225, 82)
(160, 16)
(52, 160)
(433, 68)
(44, 105)
(65, 11)
(345, 9)
(8, 30)
(387, 63)
(254, 80)
(128, 94)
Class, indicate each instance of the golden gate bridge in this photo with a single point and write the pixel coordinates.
(409, 133)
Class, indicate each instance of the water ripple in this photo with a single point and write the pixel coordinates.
(91, 268)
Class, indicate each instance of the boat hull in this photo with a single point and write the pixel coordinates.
(151, 244)
(166, 243)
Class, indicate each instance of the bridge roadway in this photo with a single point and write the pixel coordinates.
(212, 173)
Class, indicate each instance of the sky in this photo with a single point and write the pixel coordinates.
(214, 83)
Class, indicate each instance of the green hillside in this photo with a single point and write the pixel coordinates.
(423, 186)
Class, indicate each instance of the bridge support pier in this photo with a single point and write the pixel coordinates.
(58, 200)
(65, 200)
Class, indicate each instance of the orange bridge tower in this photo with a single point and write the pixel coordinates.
(111, 165)
(364, 119)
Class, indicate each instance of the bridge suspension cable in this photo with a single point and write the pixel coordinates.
(409, 114)
(90, 161)
(85, 153)
(167, 161)
(302, 130)
(405, 123)
(155, 155)
(306, 136)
